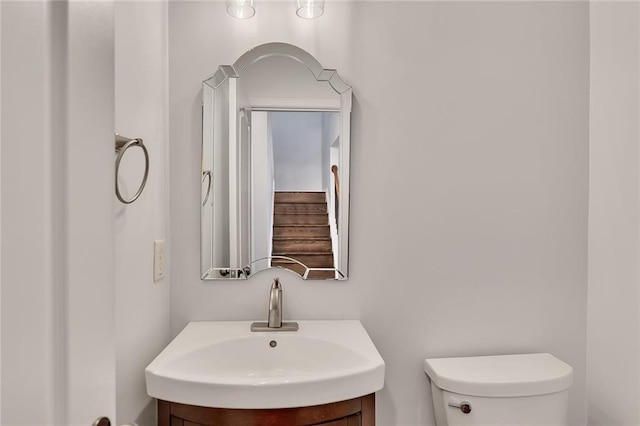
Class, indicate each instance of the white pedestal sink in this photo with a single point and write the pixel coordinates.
(223, 364)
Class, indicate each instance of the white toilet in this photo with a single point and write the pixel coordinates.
(513, 390)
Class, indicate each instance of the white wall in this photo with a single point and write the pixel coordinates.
(613, 351)
(297, 150)
(330, 139)
(142, 306)
(469, 134)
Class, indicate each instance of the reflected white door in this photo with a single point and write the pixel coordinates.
(244, 188)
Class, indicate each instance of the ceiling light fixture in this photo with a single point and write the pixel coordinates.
(309, 9)
(245, 9)
(241, 9)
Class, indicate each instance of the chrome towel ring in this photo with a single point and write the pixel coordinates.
(206, 175)
(122, 144)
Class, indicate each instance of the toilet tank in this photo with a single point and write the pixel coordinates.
(500, 390)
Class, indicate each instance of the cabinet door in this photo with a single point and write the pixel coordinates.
(175, 421)
(354, 420)
(353, 412)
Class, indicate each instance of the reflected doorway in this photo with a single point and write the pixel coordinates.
(299, 189)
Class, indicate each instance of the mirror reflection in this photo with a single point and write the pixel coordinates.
(275, 167)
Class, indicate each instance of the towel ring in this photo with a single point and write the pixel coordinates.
(122, 144)
(206, 175)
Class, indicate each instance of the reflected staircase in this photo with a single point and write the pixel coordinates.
(301, 231)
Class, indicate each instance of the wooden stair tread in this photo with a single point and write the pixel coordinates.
(306, 253)
(295, 232)
(301, 203)
(299, 219)
(299, 268)
(308, 208)
(325, 275)
(302, 225)
(299, 192)
(303, 253)
(302, 214)
(301, 238)
(301, 246)
(297, 197)
(324, 260)
(313, 273)
(301, 232)
(295, 264)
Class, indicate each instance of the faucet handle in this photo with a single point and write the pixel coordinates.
(276, 284)
(275, 322)
(275, 304)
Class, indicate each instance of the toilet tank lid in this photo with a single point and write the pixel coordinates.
(500, 375)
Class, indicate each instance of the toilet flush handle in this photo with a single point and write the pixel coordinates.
(464, 406)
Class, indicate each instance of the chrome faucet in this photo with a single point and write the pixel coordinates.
(275, 305)
(275, 312)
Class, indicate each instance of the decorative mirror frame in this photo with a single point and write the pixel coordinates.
(226, 72)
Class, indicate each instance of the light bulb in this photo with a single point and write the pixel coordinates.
(241, 9)
(309, 9)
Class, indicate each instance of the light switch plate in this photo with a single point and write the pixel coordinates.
(158, 260)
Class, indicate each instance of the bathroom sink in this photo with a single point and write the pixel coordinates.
(224, 364)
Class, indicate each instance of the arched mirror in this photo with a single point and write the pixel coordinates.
(275, 167)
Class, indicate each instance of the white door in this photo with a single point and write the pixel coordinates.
(90, 177)
(244, 187)
(57, 253)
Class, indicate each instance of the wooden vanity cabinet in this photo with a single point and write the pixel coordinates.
(353, 412)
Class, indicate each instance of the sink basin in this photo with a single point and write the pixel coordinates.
(223, 364)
